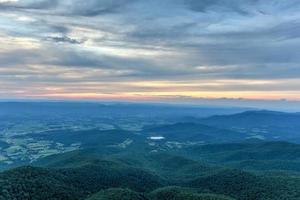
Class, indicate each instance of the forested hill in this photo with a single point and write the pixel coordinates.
(203, 172)
(267, 125)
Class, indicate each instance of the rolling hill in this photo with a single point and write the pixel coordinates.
(73, 183)
(247, 186)
(268, 125)
(117, 194)
(215, 171)
(181, 193)
(194, 132)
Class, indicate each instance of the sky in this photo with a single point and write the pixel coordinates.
(158, 50)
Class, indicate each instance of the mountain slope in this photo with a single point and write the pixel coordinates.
(180, 193)
(171, 167)
(260, 124)
(259, 156)
(117, 194)
(255, 118)
(194, 132)
(73, 183)
(246, 186)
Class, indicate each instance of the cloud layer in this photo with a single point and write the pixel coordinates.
(140, 49)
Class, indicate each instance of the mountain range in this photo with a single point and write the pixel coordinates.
(223, 157)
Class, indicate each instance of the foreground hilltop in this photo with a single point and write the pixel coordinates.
(85, 174)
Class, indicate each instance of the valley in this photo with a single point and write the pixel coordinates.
(162, 157)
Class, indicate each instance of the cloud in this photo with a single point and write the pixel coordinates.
(68, 7)
(63, 39)
(29, 4)
(96, 7)
(107, 41)
(238, 6)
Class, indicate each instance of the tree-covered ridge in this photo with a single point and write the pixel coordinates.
(117, 194)
(195, 132)
(84, 174)
(165, 193)
(269, 125)
(37, 183)
(247, 186)
(255, 156)
(72, 183)
(180, 193)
